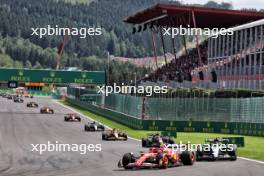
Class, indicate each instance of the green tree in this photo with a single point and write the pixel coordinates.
(28, 64)
(37, 65)
(18, 64)
(5, 61)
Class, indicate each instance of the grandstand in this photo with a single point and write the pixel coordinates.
(217, 63)
(223, 62)
(237, 60)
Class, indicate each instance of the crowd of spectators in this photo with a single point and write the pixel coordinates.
(179, 69)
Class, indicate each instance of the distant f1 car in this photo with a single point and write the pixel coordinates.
(4, 95)
(114, 135)
(214, 150)
(157, 158)
(18, 100)
(156, 140)
(72, 117)
(10, 97)
(28, 96)
(46, 110)
(32, 105)
(94, 126)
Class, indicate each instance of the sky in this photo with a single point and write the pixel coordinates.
(237, 4)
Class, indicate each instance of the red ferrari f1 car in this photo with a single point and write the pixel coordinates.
(157, 158)
(72, 117)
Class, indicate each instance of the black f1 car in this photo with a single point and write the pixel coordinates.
(157, 158)
(18, 100)
(94, 126)
(156, 140)
(216, 149)
(32, 105)
(72, 117)
(10, 97)
(46, 110)
(114, 135)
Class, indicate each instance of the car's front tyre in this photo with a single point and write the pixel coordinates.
(127, 159)
(162, 161)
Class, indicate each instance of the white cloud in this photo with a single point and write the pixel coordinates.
(238, 4)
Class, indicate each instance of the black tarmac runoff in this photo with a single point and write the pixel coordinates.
(20, 127)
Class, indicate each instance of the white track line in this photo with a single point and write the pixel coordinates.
(252, 160)
(247, 159)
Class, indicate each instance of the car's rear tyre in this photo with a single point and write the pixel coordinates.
(86, 128)
(171, 141)
(144, 142)
(103, 136)
(233, 156)
(187, 158)
(199, 154)
(213, 158)
(125, 137)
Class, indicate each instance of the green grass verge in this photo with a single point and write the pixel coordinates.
(253, 145)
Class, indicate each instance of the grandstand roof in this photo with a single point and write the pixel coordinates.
(171, 15)
(249, 25)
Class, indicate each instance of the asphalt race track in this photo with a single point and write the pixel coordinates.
(21, 126)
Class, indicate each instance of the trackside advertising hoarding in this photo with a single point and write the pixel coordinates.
(52, 76)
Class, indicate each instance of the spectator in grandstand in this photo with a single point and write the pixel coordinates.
(180, 69)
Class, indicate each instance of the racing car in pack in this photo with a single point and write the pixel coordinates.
(32, 104)
(161, 157)
(94, 126)
(114, 135)
(4, 95)
(46, 110)
(156, 140)
(216, 149)
(29, 96)
(9, 97)
(18, 100)
(72, 117)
